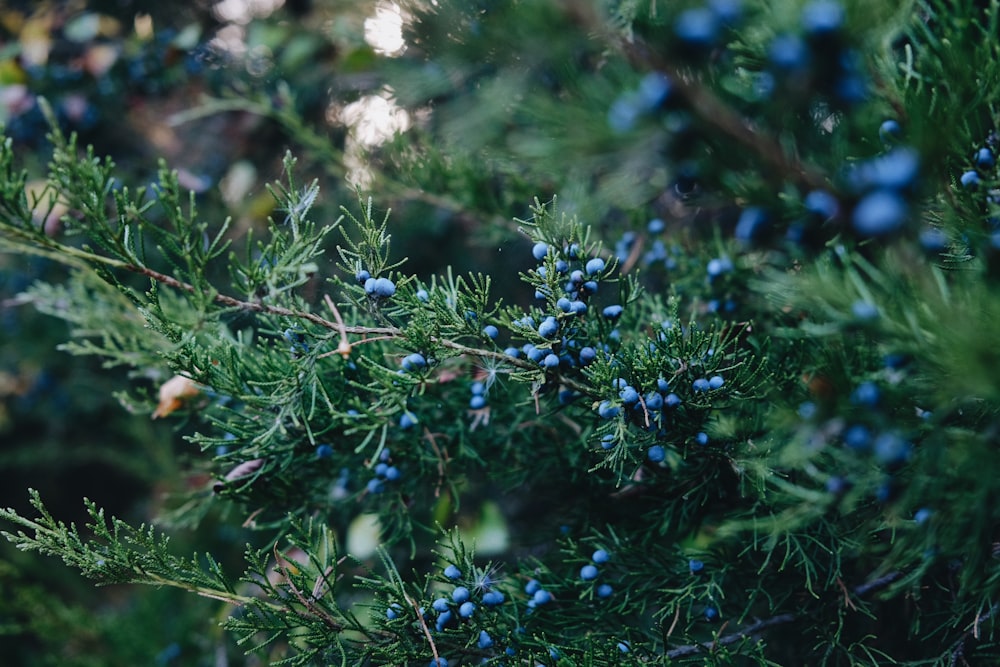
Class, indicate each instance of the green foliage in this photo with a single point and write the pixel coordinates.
(741, 409)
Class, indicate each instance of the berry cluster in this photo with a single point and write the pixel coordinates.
(565, 281)
(590, 572)
(384, 472)
(375, 288)
(984, 163)
(815, 60)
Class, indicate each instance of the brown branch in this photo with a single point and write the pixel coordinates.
(708, 107)
(958, 652)
(392, 332)
(281, 565)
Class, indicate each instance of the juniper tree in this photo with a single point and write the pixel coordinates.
(740, 407)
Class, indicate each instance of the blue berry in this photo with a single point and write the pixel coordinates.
(711, 613)
(563, 304)
(821, 204)
(540, 250)
(624, 647)
(751, 225)
(718, 266)
(671, 400)
(491, 332)
(362, 276)
(485, 641)
(728, 11)
(423, 295)
(477, 388)
(701, 438)
(380, 469)
(985, 158)
(612, 312)
(608, 410)
(864, 310)
(933, 240)
(654, 401)
(695, 566)
(629, 395)
(443, 619)
(716, 382)
(512, 352)
(656, 225)
(662, 385)
(624, 111)
(890, 132)
(600, 556)
(578, 307)
(837, 485)
(532, 587)
(605, 591)
(879, 213)
(440, 605)
(656, 454)
(413, 361)
(393, 611)
(866, 394)
(822, 17)
(590, 287)
(607, 441)
(374, 486)
(891, 449)
(700, 384)
(379, 287)
(588, 572)
(467, 609)
(541, 597)
(696, 27)
(324, 451)
(548, 328)
(392, 473)
(969, 180)
(460, 594)
(477, 402)
(922, 516)
(452, 571)
(550, 361)
(439, 662)
(384, 288)
(493, 598)
(408, 420)
(595, 265)
(587, 355)
(858, 438)
(654, 90)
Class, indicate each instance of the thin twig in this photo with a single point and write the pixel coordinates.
(958, 652)
(281, 564)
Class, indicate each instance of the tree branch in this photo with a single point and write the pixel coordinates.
(781, 619)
